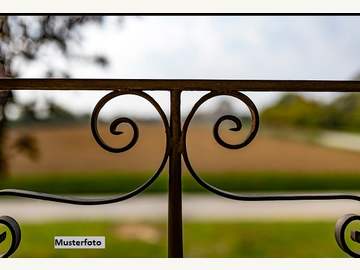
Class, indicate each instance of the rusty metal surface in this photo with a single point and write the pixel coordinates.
(175, 246)
(186, 85)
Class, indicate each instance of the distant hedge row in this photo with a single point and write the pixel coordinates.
(343, 113)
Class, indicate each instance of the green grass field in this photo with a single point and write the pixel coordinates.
(232, 239)
(238, 239)
(102, 183)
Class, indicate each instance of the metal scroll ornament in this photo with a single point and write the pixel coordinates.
(342, 232)
(341, 225)
(114, 130)
(172, 142)
(12, 225)
(238, 126)
(13, 232)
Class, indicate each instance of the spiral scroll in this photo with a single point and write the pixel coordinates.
(122, 120)
(15, 232)
(340, 234)
(172, 142)
(116, 123)
(113, 129)
(253, 131)
(238, 126)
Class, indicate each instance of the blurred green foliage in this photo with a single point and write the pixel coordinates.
(343, 113)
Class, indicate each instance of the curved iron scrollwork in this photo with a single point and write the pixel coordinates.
(15, 232)
(117, 122)
(12, 224)
(341, 225)
(238, 126)
(113, 130)
(341, 234)
(253, 131)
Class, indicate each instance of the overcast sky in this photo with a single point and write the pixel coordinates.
(212, 48)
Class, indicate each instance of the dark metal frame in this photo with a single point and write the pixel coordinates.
(175, 148)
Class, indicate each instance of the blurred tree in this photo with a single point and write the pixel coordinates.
(22, 40)
(344, 112)
(28, 113)
(357, 77)
(295, 110)
(58, 113)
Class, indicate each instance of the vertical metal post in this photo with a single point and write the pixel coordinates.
(175, 239)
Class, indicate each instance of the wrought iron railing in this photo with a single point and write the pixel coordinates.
(176, 148)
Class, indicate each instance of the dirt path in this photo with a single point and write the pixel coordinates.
(73, 149)
(195, 208)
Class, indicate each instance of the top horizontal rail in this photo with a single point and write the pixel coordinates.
(188, 85)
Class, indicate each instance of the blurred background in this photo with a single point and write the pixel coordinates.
(307, 142)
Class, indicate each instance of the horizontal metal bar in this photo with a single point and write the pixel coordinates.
(189, 85)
